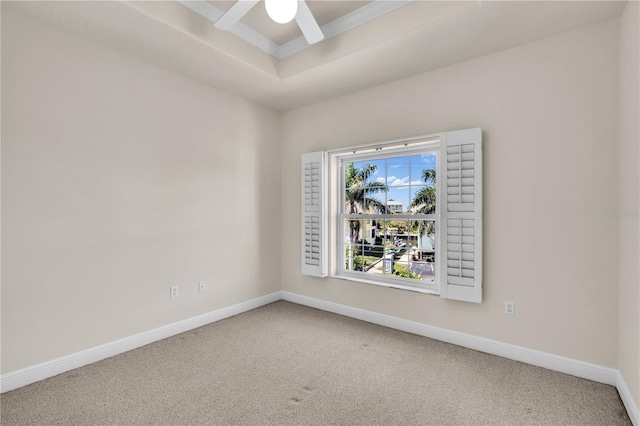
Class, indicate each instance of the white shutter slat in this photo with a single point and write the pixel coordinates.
(466, 173)
(314, 215)
(460, 262)
(457, 264)
(466, 199)
(460, 283)
(458, 255)
(455, 239)
(455, 190)
(454, 164)
(467, 155)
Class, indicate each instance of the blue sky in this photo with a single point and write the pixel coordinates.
(403, 175)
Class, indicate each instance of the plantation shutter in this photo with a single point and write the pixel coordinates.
(461, 215)
(314, 215)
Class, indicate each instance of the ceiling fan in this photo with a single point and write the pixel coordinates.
(281, 11)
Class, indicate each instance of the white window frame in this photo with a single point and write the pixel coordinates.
(395, 148)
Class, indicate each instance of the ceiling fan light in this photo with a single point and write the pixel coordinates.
(281, 11)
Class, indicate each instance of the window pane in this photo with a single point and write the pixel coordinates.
(398, 199)
(372, 257)
(423, 168)
(364, 247)
(354, 190)
(377, 171)
(353, 231)
(354, 200)
(401, 268)
(374, 199)
(423, 200)
(422, 259)
(398, 171)
(376, 188)
(353, 257)
(354, 174)
(355, 240)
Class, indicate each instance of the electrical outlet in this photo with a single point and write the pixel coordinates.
(509, 308)
(174, 291)
(201, 286)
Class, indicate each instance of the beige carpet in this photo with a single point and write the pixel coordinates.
(289, 364)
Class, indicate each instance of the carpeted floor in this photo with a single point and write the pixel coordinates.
(289, 364)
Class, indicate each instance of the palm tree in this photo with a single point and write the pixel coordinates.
(359, 198)
(425, 200)
(425, 203)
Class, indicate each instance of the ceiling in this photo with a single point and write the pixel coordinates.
(368, 42)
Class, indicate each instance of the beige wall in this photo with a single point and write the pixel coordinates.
(628, 230)
(549, 114)
(120, 179)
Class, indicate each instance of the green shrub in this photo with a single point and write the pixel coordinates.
(404, 272)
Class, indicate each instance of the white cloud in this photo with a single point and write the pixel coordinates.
(429, 158)
(395, 181)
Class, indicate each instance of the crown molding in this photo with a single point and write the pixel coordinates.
(344, 23)
(204, 9)
(212, 13)
(281, 51)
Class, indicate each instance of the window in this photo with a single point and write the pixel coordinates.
(404, 214)
(387, 216)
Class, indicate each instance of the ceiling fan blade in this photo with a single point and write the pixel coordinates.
(308, 24)
(234, 14)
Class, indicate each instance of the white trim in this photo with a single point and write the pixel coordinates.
(343, 24)
(280, 51)
(430, 139)
(362, 15)
(345, 276)
(25, 376)
(203, 8)
(384, 150)
(627, 399)
(553, 362)
(57, 366)
(213, 13)
(251, 36)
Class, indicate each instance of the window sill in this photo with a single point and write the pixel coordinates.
(389, 285)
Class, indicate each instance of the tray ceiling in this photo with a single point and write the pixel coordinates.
(282, 41)
(412, 38)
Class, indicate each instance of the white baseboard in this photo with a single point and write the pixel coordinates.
(586, 370)
(627, 400)
(582, 369)
(577, 368)
(42, 371)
